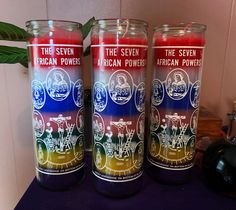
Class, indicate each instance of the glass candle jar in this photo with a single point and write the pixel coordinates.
(177, 69)
(119, 52)
(55, 50)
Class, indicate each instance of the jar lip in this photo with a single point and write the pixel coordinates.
(192, 27)
(50, 23)
(120, 21)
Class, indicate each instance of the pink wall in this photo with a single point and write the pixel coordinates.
(218, 86)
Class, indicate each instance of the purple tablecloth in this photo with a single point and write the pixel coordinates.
(194, 195)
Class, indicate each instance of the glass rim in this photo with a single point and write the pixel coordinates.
(192, 26)
(50, 22)
(116, 21)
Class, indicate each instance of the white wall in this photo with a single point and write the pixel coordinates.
(218, 87)
(16, 151)
(219, 16)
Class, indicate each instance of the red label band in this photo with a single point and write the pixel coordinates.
(55, 55)
(109, 57)
(178, 56)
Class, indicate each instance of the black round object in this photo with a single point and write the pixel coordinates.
(219, 167)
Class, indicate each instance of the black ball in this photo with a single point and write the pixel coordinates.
(219, 166)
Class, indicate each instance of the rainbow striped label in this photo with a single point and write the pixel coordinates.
(57, 97)
(119, 111)
(174, 106)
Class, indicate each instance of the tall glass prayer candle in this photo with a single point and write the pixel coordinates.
(119, 51)
(177, 69)
(55, 51)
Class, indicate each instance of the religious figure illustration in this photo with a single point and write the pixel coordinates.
(41, 151)
(38, 93)
(140, 97)
(157, 92)
(38, 124)
(78, 93)
(190, 147)
(40, 154)
(122, 154)
(176, 125)
(121, 87)
(193, 122)
(153, 147)
(173, 135)
(100, 96)
(140, 127)
(155, 119)
(65, 131)
(109, 144)
(80, 151)
(176, 85)
(59, 142)
(98, 127)
(194, 94)
(98, 161)
(123, 147)
(58, 84)
(80, 120)
(51, 142)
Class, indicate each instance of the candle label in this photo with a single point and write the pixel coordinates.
(174, 106)
(119, 111)
(57, 96)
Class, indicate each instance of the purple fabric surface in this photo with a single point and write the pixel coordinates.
(153, 195)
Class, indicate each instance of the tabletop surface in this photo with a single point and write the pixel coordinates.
(153, 195)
